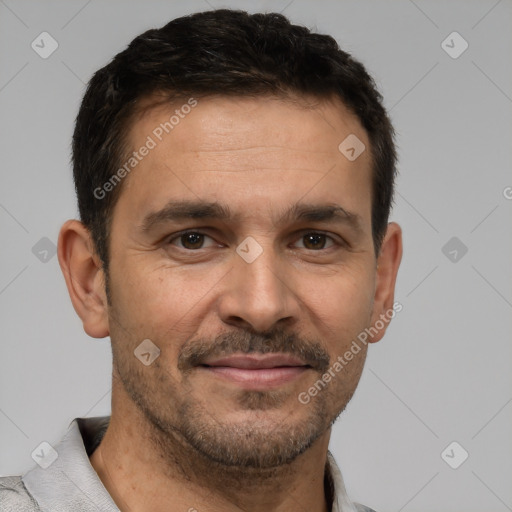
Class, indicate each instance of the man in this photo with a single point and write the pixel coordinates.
(234, 176)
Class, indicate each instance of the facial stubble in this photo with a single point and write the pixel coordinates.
(180, 422)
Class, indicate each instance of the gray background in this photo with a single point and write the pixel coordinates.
(442, 373)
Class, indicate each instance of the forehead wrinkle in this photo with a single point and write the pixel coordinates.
(254, 159)
(253, 169)
(259, 154)
(257, 148)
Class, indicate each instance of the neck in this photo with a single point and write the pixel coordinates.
(145, 469)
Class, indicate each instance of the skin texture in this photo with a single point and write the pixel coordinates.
(182, 436)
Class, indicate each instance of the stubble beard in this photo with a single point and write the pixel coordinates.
(256, 444)
(178, 423)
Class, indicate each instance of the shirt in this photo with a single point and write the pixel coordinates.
(65, 481)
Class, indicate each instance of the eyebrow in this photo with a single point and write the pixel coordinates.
(331, 213)
(181, 210)
(186, 209)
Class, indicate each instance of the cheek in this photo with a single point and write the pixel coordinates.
(159, 298)
(342, 305)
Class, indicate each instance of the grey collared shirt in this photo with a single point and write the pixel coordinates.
(65, 481)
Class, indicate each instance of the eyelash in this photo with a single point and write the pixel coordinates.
(339, 243)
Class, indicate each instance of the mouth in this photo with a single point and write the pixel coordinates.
(256, 370)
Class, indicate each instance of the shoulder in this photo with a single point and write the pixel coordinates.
(14, 496)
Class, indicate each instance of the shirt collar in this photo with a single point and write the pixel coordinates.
(336, 486)
(71, 483)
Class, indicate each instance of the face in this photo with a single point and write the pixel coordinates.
(241, 246)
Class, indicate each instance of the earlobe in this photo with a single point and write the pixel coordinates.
(387, 268)
(84, 277)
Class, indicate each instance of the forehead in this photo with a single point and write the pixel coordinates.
(243, 150)
(242, 120)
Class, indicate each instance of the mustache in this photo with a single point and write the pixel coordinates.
(311, 352)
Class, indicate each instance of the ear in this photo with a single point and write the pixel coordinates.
(84, 277)
(388, 262)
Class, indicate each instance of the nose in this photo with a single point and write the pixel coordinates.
(259, 295)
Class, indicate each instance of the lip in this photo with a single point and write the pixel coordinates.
(257, 370)
(256, 361)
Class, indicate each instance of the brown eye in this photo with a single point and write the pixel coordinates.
(191, 240)
(314, 241)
